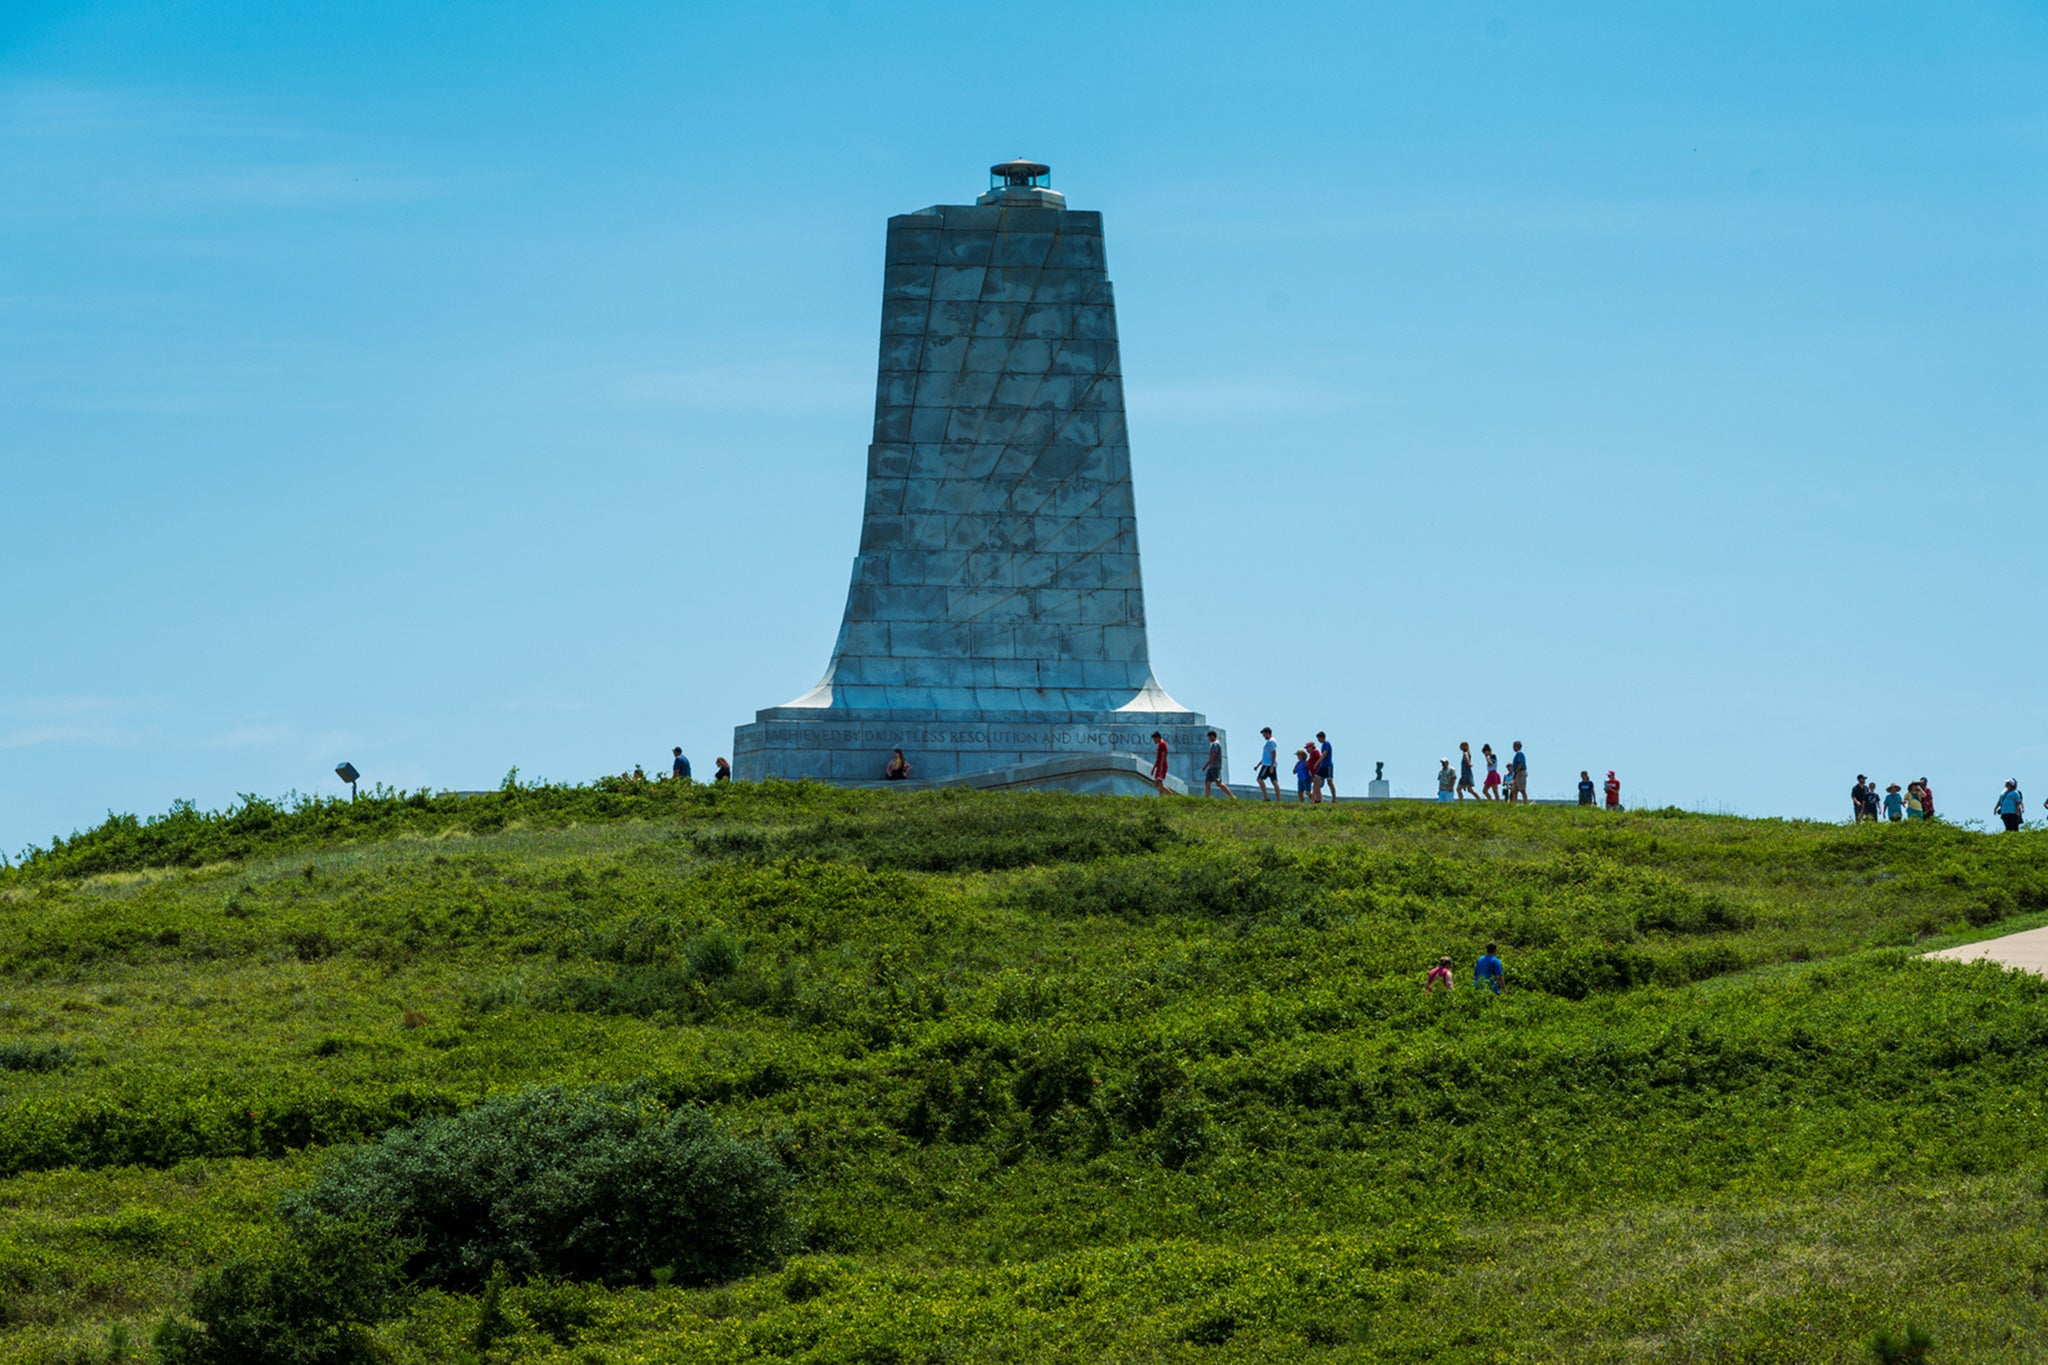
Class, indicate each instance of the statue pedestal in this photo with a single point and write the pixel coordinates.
(1379, 790)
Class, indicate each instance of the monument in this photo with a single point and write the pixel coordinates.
(995, 626)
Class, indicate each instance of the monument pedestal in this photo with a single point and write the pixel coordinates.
(840, 744)
(1379, 789)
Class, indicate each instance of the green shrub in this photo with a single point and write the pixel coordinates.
(713, 955)
(305, 1303)
(573, 1186)
(1909, 1348)
(35, 1056)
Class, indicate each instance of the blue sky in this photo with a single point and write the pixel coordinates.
(452, 387)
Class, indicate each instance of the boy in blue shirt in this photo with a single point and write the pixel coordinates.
(1489, 972)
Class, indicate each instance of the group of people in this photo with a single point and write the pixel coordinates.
(1315, 768)
(1460, 785)
(1487, 974)
(1916, 802)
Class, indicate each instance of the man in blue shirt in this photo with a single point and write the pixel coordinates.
(1489, 972)
(1518, 775)
(2012, 805)
(1326, 766)
(680, 769)
(1269, 771)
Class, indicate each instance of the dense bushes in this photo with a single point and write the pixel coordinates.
(1221, 884)
(1011, 1095)
(308, 1302)
(959, 832)
(553, 1183)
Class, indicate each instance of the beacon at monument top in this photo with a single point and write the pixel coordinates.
(1022, 184)
(994, 628)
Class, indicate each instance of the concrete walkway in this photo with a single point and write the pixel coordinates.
(2027, 951)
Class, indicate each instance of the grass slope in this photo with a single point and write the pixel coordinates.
(1065, 1077)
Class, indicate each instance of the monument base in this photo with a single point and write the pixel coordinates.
(853, 745)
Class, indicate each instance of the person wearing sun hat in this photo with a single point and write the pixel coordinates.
(1894, 804)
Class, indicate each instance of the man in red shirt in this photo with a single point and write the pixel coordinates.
(1159, 763)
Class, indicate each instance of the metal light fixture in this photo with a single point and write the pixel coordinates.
(347, 773)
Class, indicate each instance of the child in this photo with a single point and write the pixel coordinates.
(1440, 975)
(1301, 775)
(1613, 791)
(1492, 785)
(1585, 788)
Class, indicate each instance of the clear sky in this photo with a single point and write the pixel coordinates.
(448, 387)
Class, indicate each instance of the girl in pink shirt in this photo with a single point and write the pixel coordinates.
(1439, 973)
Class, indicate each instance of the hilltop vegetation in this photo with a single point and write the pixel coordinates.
(1012, 1077)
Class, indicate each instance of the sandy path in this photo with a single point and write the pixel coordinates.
(2027, 951)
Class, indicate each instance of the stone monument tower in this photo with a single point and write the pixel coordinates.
(995, 626)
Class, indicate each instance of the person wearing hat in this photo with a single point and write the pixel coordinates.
(1894, 804)
(1446, 781)
(1269, 766)
(1914, 809)
(1613, 791)
(2011, 806)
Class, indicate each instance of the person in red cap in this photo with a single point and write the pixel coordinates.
(1613, 788)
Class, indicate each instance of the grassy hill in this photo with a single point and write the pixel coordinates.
(1058, 1077)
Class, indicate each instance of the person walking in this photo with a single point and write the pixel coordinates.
(1440, 975)
(1269, 766)
(1894, 804)
(1914, 810)
(1446, 781)
(1159, 762)
(1859, 797)
(1489, 971)
(2012, 805)
(1326, 768)
(1518, 775)
(1465, 787)
(1304, 778)
(721, 771)
(897, 768)
(1926, 800)
(1492, 772)
(1212, 769)
(1585, 788)
(680, 769)
(1613, 787)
